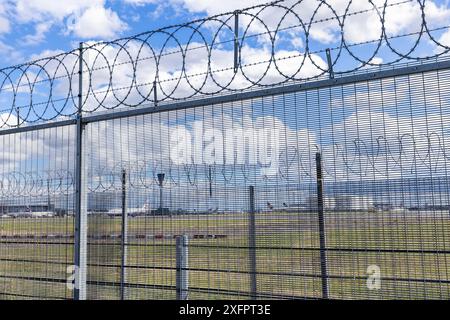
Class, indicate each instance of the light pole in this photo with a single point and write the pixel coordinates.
(48, 195)
(210, 181)
(161, 182)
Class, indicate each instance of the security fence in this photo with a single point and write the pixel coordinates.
(268, 153)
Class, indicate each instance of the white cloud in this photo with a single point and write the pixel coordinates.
(22, 149)
(291, 63)
(97, 22)
(82, 18)
(444, 39)
(140, 2)
(41, 30)
(212, 7)
(39, 10)
(364, 26)
(10, 54)
(4, 25)
(8, 119)
(4, 21)
(376, 145)
(46, 54)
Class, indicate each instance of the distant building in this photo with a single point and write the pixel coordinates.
(329, 203)
(380, 206)
(24, 209)
(353, 203)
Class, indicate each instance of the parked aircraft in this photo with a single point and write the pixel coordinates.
(130, 211)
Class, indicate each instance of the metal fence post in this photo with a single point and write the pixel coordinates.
(210, 181)
(236, 41)
(322, 239)
(330, 64)
(18, 116)
(124, 237)
(161, 177)
(182, 265)
(155, 93)
(48, 195)
(252, 243)
(80, 234)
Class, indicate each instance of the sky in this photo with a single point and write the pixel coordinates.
(372, 130)
(32, 28)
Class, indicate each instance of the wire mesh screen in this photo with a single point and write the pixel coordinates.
(36, 214)
(339, 193)
(241, 156)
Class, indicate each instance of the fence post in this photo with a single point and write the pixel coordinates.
(330, 64)
(18, 116)
(48, 195)
(155, 93)
(80, 234)
(252, 243)
(182, 265)
(161, 177)
(236, 41)
(320, 209)
(124, 237)
(210, 181)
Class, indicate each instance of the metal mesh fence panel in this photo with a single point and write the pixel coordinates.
(234, 157)
(36, 224)
(376, 229)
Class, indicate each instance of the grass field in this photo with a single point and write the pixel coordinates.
(410, 249)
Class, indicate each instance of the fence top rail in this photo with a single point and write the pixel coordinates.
(264, 46)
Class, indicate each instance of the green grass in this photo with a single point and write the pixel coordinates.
(288, 261)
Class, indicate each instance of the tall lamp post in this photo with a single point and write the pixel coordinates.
(210, 181)
(161, 177)
(48, 195)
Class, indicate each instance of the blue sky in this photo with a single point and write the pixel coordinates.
(37, 28)
(29, 28)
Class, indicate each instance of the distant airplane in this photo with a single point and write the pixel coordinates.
(20, 214)
(130, 211)
(213, 210)
(43, 214)
(29, 213)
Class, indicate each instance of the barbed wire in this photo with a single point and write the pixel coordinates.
(35, 184)
(257, 47)
(355, 159)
